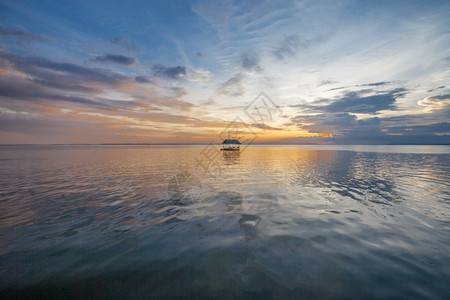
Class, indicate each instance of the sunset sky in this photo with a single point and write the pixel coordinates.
(334, 72)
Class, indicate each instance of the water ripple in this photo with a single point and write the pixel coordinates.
(268, 222)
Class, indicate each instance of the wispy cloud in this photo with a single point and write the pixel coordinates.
(233, 87)
(435, 103)
(294, 44)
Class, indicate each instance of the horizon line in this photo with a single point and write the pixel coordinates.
(199, 144)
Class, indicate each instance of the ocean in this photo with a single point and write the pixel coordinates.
(267, 222)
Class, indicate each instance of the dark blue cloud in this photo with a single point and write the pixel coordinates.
(433, 128)
(116, 58)
(143, 79)
(362, 101)
(46, 69)
(353, 102)
(20, 34)
(14, 88)
(339, 123)
(162, 71)
(347, 129)
(65, 84)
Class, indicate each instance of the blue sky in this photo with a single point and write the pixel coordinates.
(344, 72)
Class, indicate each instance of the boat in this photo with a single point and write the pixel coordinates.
(230, 145)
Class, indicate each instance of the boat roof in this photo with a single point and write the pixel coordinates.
(230, 141)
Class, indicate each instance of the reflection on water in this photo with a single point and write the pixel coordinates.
(231, 157)
(270, 222)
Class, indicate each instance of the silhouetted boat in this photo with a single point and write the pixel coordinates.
(230, 145)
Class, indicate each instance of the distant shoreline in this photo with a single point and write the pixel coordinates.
(204, 144)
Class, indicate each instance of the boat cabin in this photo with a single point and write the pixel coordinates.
(230, 145)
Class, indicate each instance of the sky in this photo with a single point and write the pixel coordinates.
(325, 72)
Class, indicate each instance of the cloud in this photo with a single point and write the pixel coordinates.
(65, 84)
(43, 68)
(366, 101)
(435, 103)
(354, 102)
(143, 79)
(377, 83)
(20, 34)
(122, 42)
(19, 89)
(162, 71)
(174, 103)
(313, 106)
(116, 58)
(325, 82)
(40, 80)
(178, 91)
(339, 118)
(373, 84)
(289, 46)
(233, 86)
(293, 44)
(43, 80)
(207, 102)
(250, 62)
(348, 129)
(437, 88)
(265, 127)
(344, 127)
(200, 75)
(337, 123)
(337, 88)
(436, 128)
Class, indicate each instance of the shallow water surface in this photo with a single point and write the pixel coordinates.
(265, 222)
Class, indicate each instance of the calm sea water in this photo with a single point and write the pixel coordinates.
(267, 222)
